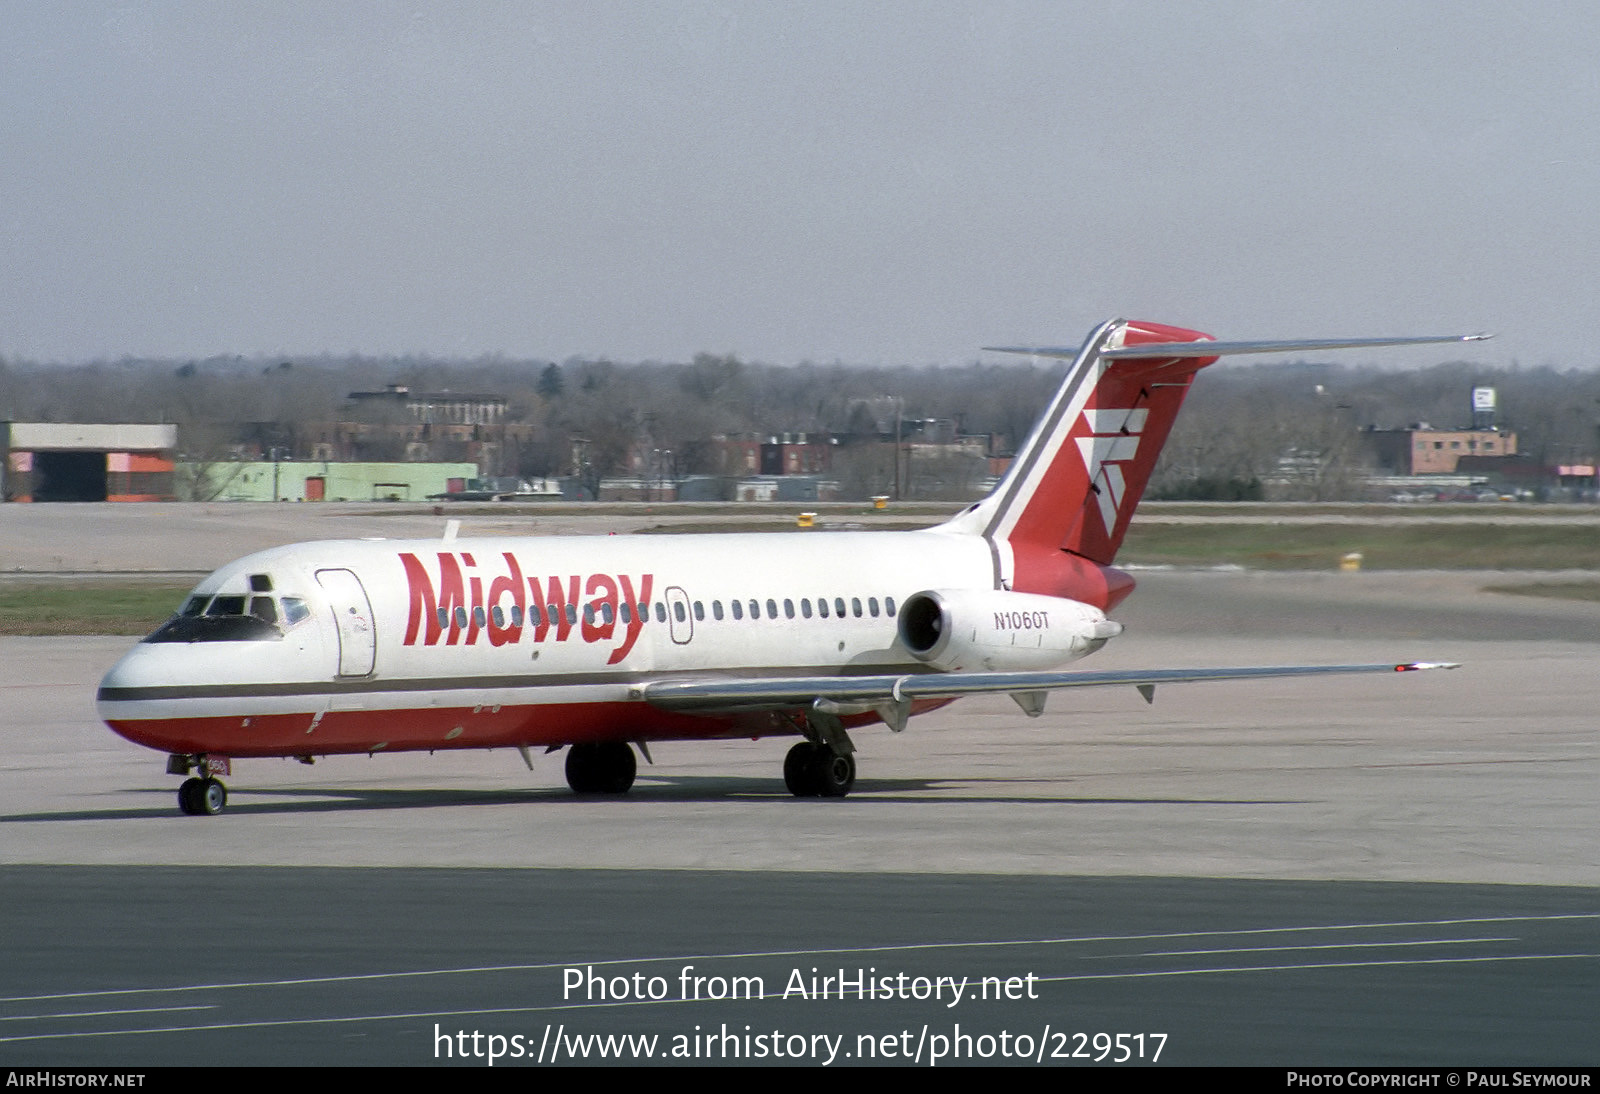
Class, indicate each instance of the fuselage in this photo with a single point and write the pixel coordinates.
(373, 645)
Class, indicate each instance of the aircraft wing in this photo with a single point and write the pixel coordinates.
(893, 695)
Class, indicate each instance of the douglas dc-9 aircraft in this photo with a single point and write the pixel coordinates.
(595, 642)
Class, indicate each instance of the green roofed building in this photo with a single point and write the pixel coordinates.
(318, 480)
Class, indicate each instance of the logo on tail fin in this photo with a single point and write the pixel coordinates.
(1113, 440)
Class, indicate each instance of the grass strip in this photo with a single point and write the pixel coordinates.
(1560, 590)
(99, 608)
(1488, 546)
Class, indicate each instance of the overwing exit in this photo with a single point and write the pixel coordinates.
(604, 645)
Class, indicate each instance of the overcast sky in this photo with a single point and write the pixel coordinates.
(872, 182)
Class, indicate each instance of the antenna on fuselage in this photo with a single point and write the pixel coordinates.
(451, 527)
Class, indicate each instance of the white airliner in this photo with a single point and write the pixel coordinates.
(595, 642)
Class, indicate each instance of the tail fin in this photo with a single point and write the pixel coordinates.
(1074, 485)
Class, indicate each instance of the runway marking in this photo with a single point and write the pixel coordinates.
(754, 954)
(1322, 946)
(101, 1013)
(1323, 965)
(435, 1015)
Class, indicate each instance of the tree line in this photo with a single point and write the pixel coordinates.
(1241, 422)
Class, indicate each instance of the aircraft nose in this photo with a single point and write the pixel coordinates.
(134, 672)
(129, 702)
(118, 679)
(132, 688)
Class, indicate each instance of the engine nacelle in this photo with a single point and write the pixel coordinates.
(990, 630)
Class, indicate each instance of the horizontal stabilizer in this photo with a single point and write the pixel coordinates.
(1220, 349)
(779, 693)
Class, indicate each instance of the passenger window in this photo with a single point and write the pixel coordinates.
(699, 611)
(822, 606)
(855, 606)
(872, 606)
(805, 607)
(838, 606)
(588, 614)
(478, 618)
(661, 612)
(755, 609)
(678, 612)
(626, 612)
(788, 608)
(498, 615)
(608, 614)
(888, 606)
(716, 609)
(738, 609)
(535, 615)
(461, 616)
(516, 615)
(572, 614)
(772, 608)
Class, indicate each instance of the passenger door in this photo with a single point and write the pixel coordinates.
(352, 612)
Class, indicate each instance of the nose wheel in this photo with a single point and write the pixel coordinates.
(202, 797)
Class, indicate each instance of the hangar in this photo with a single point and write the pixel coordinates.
(82, 461)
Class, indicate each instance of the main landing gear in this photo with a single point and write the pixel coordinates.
(817, 771)
(601, 767)
(824, 764)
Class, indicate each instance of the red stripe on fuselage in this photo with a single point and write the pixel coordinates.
(356, 731)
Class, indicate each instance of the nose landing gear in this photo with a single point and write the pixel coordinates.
(202, 797)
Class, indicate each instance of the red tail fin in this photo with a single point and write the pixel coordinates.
(1075, 484)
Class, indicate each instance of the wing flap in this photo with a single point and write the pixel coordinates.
(782, 693)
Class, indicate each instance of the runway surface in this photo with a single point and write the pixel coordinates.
(1367, 870)
(403, 966)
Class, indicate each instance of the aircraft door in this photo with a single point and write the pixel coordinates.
(680, 615)
(352, 612)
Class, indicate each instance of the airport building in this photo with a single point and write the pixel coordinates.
(84, 461)
(319, 480)
(1423, 450)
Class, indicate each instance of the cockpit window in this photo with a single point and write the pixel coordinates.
(216, 628)
(261, 617)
